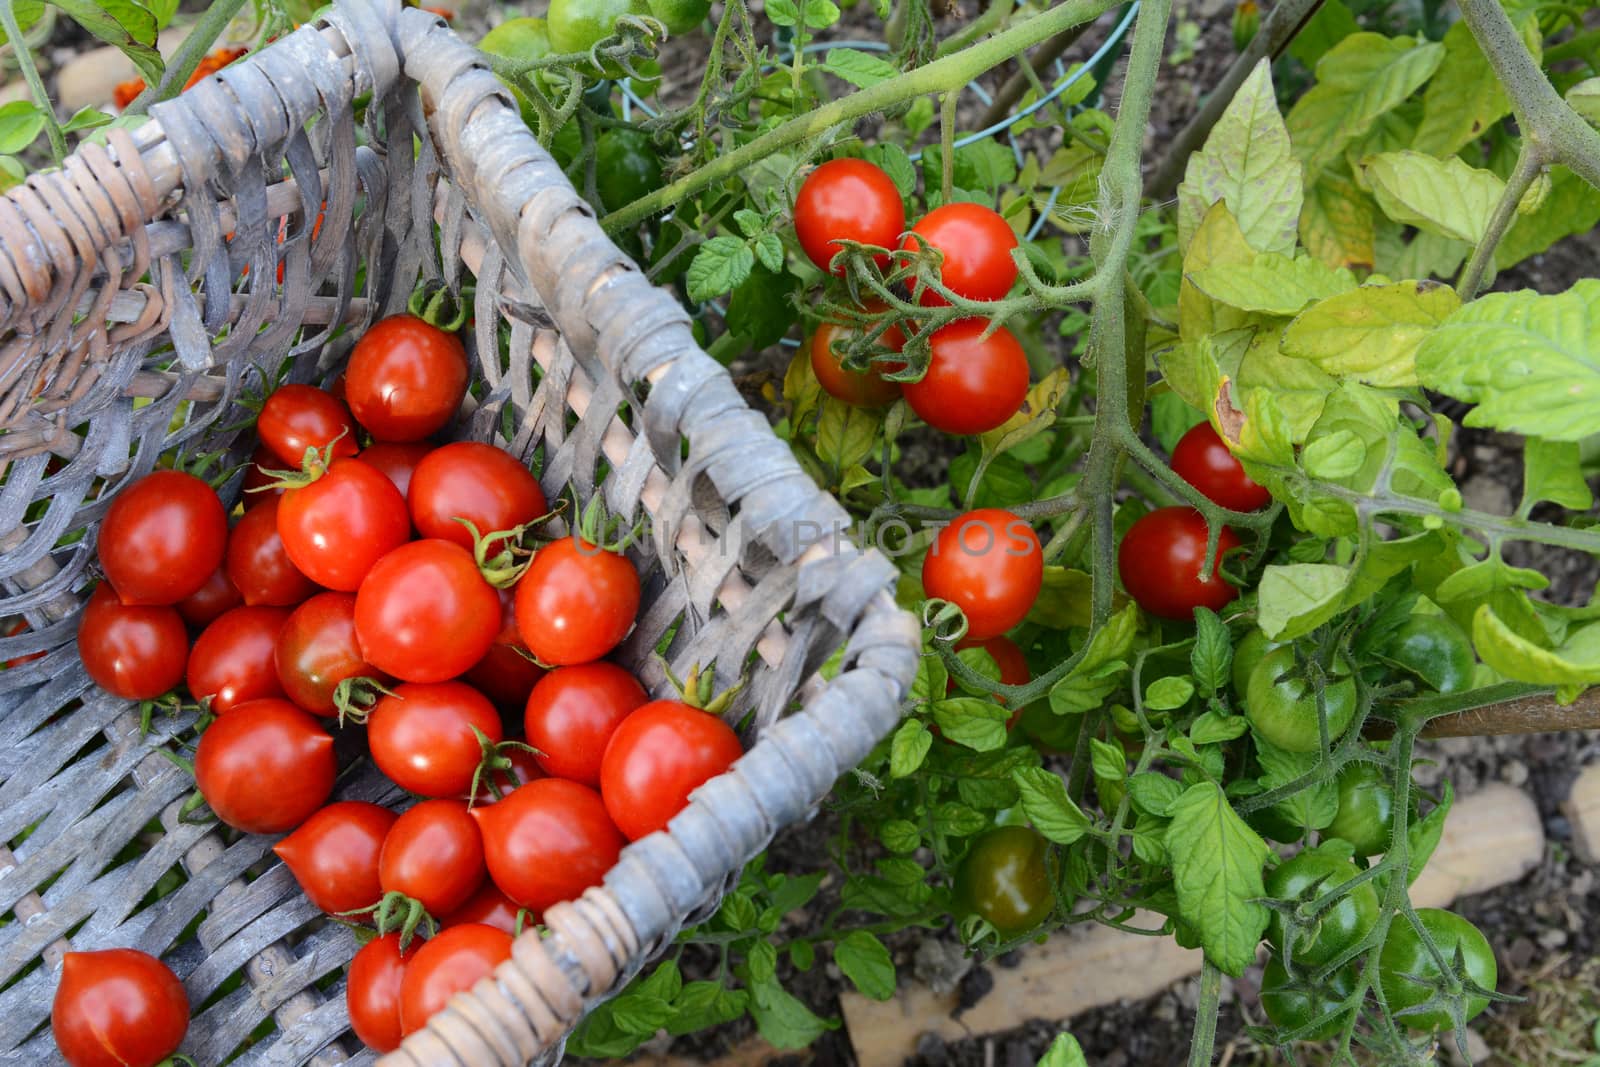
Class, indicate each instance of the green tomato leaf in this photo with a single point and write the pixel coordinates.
(1359, 80)
(1464, 98)
(1037, 414)
(1584, 98)
(1085, 689)
(1110, 763)
(1371, 333)
(932, 681)
(1168, 694)
(1064, 1051)
(1553, 471)
(1113, 641)
(21, 122)
(900, 835)
(126, 24)
(846, 434)
(1045, 802)
(1064, 599)
(1216, 865)
(1445, 197)
(1571, 667)
(1314, 806)
(819, 14)
(1273, 284)
(978, 724)
(1331, 24)
(861, 69)
(909, 748)
(895, 163)
(86, 118)
(759, 309)
(641, 1014)
(705, 1004)
(865, 961)
(1210, 728)
(1296, 598)
(1424, 834)
(721, 264)
(782, 1020)
(1154, 793)
(1212, 654)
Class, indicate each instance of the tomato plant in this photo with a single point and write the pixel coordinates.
(1204, 460)
(1162, 559)
(864, 388)
(117, 1008)
(1413, 978)
(1004, 880)
(850, 200)
(976, 379)
(988, 563)
(976, 243)
(1282, 705)
(1314, 934)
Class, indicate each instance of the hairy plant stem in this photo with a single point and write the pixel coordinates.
(187, 59)
(30, 73)
(1476, 270)
(1205, 1019)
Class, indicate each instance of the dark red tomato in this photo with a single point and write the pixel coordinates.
(162, 537)
(300, 417)
(206, 604)
(422, 736)
(977, 245)
(488, 906)
(506, 674)
(512, 767)
(573, 712)
(849, 199)
(548, 842)
(576, 602)
(450, 963)
(405, 379)
(337, 527)
(989, 564)
(425, 614)
(372, 991)
(1204, 460)
(468, 480)
(863, 388)
(1160, 560)
(334, 855)
(136, 653)
(265, 767)
(317, 649)
(397, 460)
(254, 489)
(434, 855)
(1008, 657)
(973, 383)
(234, 660)
(658, 756)
(118, 1008)
(257, 564)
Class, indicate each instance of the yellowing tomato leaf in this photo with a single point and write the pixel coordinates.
(1371, 333)
(1441, 196)
(1336, 224)
(1358, 81)
(1272, 284)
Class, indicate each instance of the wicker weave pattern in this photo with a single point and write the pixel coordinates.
(603, 384)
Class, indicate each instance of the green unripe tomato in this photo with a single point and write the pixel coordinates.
(625, 167)
(1366, 809)
(1246, 654)
(579, 25)
(1307, 878)
(523, 38)
(680, 16)
(1281, 706)
(1435, 649)
(1005, 880)
(1292, 1008)
(1404, 954)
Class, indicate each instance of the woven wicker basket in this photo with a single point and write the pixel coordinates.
(130, 327)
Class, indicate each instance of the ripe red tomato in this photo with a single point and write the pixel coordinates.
(477, 482)
(572, 713)
(849, 199)
(446, 965)
(513, 766)
(118, 1008)
(976, 242)
(397, 460)
(136, 653)
(298, 417)
(405, 379)
(434, 855)
(334, 855)
(317, 649)
(658, 756)
(372, 991)
(506, 674)
(422, 736)
(1204, 460)
(424, 613)
(989, 564)
(255, 487)
(488, 906)
(338, 526)
(257, 564)
(1160, 560)
(973, 383)
(1008, 657)
(863, 388)
(548, 842)
(162, 537)
(576, 602)
(265, 767)
(202, 607)
(234, 659)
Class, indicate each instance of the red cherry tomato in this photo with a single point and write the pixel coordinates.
(658, 756)
(572, 713)
(424, 613)
(397, 460)
(434, 855)
(257, 564)
(989, 564)
(136, 653)
(477, 482)
(317, 649)
(118, 1008)
(234, 659)
(863, 388)
(976, 242)
(1160, 560)
(849, 199)
(405, 379)
(450, 963)
(973, 383)
(488, 906)
(576, 602)
(422, 736)
(162, 537)
(1008, 657)
(206, 604)
(265, 767)
(506, 674)
(372, 991)
(1204, 460)
(258, 484)
(548, 842)
(298, 417)
(337, 527)
(514, 767)
(334, 855)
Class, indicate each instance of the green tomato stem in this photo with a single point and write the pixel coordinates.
(30, 73)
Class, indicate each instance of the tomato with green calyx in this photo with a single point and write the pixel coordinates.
(1005, 880)
(579, 25)
(1433, 648)
(850, 200)
(1409, 974)
(372, 991)
(680, 16)
(1205, 461)
(317, 650)
(1282, 707)
(1366, 809)
(340, 522)
(862, 388)
(626, 167)
(976, 242)
(478, 483)
(656, 757)
(300, 417)
(424, 612)
(334, 855)
(973, 383)
(132, 651)
(117, 1008)
(989, 563)
(1246, 654)
(446, 965)
(1292, 1005)
(430, 737)
(1309, 877)
(431, 861)
(576, 602)
(1160, 561)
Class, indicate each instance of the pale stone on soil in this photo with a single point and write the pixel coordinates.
(1582, 808)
